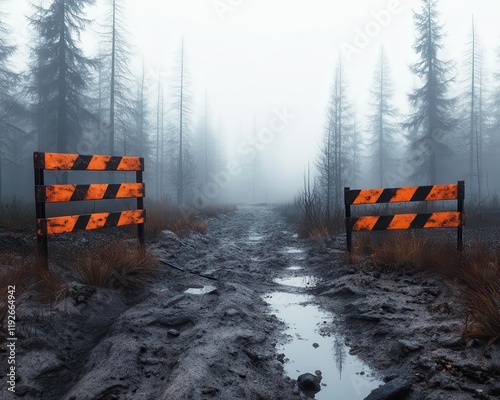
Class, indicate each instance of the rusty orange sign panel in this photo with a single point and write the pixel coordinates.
(406, 221)
(399, 195)
(71, 223)
(59, 161)
(64, 193)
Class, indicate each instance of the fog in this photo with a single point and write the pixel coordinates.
(260, 82)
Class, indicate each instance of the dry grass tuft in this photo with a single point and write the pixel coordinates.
(478, 288)
(164, 216)
(116, 265)
(198, 226)
(401, 251)
(26, 275)
(17, 215)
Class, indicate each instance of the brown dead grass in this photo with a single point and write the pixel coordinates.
(117, 264)
(473, 276)
(477, 287)
(26, 275)
(164, 216)
(17, 215)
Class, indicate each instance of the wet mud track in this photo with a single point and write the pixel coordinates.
(246, 333)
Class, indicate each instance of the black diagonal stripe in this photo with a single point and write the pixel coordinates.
(112, 220)
(351, 196)
(421, 193)
(82, 162)
(79, 193)
(112, 164)
(419, 221)
(383, 223)
(81, 222)
(386, 195)
(111, 191)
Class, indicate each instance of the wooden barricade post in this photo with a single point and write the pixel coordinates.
(72, 192)
(451, 219)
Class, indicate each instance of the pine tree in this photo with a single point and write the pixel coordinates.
(117, 62)
(10, 131)
(493, 140)
(64, 72)
(185, 165)
(431, 121)
(335, 164)
(474, 117)
(382, 121)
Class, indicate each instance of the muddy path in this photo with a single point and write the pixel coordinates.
(255, 308)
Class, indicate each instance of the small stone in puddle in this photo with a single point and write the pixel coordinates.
(315, 345)
(309, 382)
(173, 332)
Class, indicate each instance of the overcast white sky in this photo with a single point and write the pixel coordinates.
(257, 55)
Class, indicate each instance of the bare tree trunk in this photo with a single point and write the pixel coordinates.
(157, 189)
(180, 176)
(206, 141)
(62, 139)
(381, 123)
(472, 105)
(141, 117)
(112, 86)
(61, 100)
(162, 144)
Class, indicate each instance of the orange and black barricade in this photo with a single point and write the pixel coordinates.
(452, 219)
(65, 193)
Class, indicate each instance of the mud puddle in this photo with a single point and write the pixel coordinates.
(293, 250)
(255, 238)
(200, 290)
(307, 281)
(306, 350)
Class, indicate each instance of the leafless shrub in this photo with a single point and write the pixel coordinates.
(315, 220)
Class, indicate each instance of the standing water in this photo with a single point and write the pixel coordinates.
(344, 376)
(306, 350)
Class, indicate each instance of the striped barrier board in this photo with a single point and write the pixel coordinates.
(63, 193)
(72, 192)
(58, 161)
(451, 219)
(88, 222)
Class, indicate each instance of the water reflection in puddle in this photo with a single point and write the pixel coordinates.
(297, 281)
(255, 238)
(200, 290)
(293, 250)
(341, 371)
